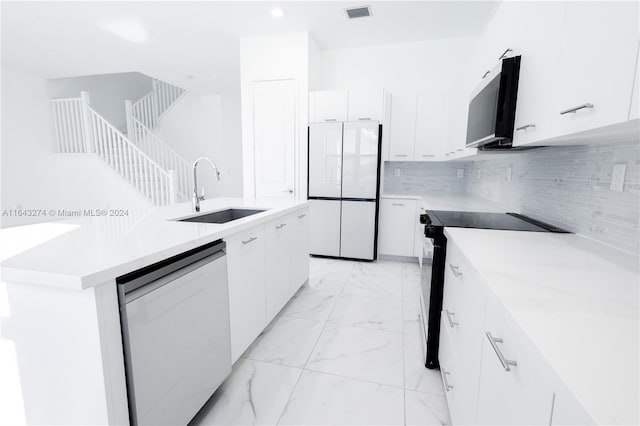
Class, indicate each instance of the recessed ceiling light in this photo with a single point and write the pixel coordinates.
(277, 12)
(129, 29)
(188, 77)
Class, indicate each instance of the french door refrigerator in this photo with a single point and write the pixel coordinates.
(344, 181)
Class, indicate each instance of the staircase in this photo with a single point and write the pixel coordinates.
(140, 157)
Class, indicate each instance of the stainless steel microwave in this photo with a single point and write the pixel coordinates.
(492, 108)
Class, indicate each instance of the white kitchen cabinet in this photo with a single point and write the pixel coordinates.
(300, 249)
(403, 125)
(430, 125)
(397, 226)
(512, 389)
(365, 105)
(418, 234)
(358, 229)
(328, 105)
(278, 240)
(597, 89)
(247, 292)
(634, 111)
(538, 82)
(325, 147)
(324, 224)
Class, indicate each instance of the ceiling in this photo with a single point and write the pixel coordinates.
(200, 39)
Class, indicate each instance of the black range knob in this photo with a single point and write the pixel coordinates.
(425, 219)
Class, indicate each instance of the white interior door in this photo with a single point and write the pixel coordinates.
(360, 160)
(274, 128)
(325, 160)
(358, 229)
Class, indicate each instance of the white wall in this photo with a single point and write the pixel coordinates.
(107, 91)
(207, 126)
(275, 58)
(27, 174)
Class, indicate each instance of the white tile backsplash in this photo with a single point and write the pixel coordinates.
(566, 186)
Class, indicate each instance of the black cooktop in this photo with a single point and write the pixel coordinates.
(482, 220)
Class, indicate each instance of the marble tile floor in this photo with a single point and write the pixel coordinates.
(344, 351)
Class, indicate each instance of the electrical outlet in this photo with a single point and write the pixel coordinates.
(397, 172)
(460, 173)
(509, 173)
(617, 177)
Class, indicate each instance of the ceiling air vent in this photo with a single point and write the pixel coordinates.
(358, 12)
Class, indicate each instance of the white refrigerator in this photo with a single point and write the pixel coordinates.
(344, 181)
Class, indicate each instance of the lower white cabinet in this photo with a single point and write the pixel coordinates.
(397, 226)
(247, 292)
(266, 265)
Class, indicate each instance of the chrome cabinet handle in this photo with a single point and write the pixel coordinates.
(452, 323)
(506, 363)
(398, 204)
(575, 109)
(486, 74)
(364, 118)
(428, 155)
(249, 240)
(329, 119)
(447, 386)
(526, 126)
(504, 54)
(400, 155)
(282, 225)
(455, 270)
(302, 215)
(290, 191)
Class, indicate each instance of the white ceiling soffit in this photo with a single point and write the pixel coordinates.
(169, 40)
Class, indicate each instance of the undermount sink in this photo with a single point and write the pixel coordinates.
(222, 216)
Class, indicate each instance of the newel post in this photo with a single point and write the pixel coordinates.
(155, 102)
(173, 186)
(86, 122)
(131, 132)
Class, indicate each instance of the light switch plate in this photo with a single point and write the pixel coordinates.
(397, 172)
(460, 173)
(617, 177)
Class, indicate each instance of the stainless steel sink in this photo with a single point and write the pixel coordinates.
(222, 216)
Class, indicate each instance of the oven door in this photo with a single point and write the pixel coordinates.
(425, 290)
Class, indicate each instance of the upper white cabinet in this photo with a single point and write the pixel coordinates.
(328, 105)
(397, 226)
(430, 124)
(402, 130)
(538, 84)
(365, 104)
(634, 111)
(598, 52)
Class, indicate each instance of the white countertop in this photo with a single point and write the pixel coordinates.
(578, 301)
(88, 251)
(457, 202)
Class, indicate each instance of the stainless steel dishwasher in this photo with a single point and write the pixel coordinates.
(175, 331)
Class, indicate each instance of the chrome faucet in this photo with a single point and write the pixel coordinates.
(197, 198)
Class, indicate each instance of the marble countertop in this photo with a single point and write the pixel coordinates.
(87, 251)
(578, 301)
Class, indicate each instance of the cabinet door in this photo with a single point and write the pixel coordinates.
(403, 125)
(538, 85)
(325, 160)
(365, 105)
(358, 229)
(278, 238)
(430, 124)
(598, 53)
(246, 269)
(300, 249)
(329, 105)
(515, 397)
(397, 226)
(324, 224)
(360, 160)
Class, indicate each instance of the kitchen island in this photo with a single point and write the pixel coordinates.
(64, 318)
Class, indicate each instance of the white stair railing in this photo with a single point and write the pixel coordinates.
(154, 104)
(79, 128)
(154, 147)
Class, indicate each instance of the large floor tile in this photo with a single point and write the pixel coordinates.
(255, 393)
(310, 304)
(359, 353)
(322, 399)
(425, 409)
(369, 312)
(416, 376)
(287, 341)
(411, 316)
(376, 279)
(328, 275)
